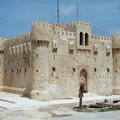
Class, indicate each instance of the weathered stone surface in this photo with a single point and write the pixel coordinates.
(48, 62)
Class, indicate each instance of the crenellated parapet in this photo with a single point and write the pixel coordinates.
(73, 26)
(41, 24)
(20, 49)
(2, 39)
(116, 41)
(95, 37)
(58, 27)
(116, 35)
(23, 37)
(78, 23)
(40, 31)
(63, 33)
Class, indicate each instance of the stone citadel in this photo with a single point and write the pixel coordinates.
(49, 61)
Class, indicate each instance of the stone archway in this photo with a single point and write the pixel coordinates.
(83, 75)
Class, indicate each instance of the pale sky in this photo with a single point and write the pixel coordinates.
(16, 16)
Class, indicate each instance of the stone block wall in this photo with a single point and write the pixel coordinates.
(48, 62)
(17, 63)
(116, 63)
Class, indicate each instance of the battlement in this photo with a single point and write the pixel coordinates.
(78, 23)
(116, 35)
(2, 39)
(64, 33)
(115, 41)
(58, 26)
(95, 37)
(41, 24)
(21, 37)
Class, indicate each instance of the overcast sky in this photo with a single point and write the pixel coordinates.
(16, 16)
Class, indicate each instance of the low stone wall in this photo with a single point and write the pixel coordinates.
(20, 91)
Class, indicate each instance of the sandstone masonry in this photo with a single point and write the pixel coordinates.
(48, 62)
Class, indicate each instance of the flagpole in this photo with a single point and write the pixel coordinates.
(77, 10)
(58, 11)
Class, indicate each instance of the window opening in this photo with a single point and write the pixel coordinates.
(81, 38)
(36, 55)
(53, 68)
(25, 69)
(95, 70)
(73, 69)
(108, 70)
(86, 39)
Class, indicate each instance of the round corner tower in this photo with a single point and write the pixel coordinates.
(40, 43)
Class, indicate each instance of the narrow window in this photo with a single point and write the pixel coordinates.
(81, 38)
(53, 68)
(95, 70)
(36, 55)
(25, 59)
(108, 70)
(86, 39)
(36, 70)
(20, 70)
(25, 69)
(73, 69)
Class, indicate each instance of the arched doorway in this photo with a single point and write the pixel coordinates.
(83, 75)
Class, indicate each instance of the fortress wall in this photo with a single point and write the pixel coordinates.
(65, 66)
(102, 65)
(61, 81)
(62, 77)
(17, 63)
(49, 61)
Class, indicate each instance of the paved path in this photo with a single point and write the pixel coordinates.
(14, 101)
(111, 115)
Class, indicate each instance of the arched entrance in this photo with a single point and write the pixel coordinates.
(83, 75)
